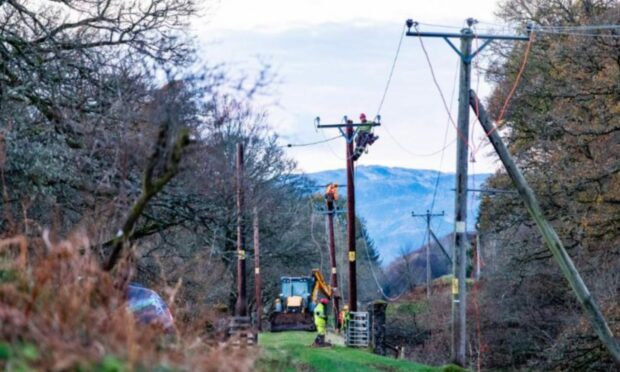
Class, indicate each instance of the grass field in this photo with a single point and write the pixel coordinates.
(291, 351)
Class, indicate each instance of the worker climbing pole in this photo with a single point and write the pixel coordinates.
(349, 134)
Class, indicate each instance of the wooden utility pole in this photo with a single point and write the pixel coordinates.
(429, 276)
(349, 136)
(241, 305)
(552, 240)
(332, 259)
(459, 299)
(459, 269)
(257, 278)
(351, 220)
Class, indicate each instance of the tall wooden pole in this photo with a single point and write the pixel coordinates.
(257, 278)
(459, 298)
(552, 240)
(459, 305)
(351, 221)
(429, 276)
(349, 125)
(332, 259)
(241, 305)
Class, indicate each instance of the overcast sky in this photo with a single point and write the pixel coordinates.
(333, 58)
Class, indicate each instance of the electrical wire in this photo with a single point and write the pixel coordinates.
(443, 99)
(312, 143)
(576, 30)
(385, 92)
(389, 80)
(476, 68)
(526, 55)
(579, 34)
(374, 275)
(445, 138)
(578, 27)
(329, 146)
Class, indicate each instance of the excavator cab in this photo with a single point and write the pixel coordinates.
(295, 293)
(294, 306)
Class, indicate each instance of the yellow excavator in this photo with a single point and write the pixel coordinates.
(298, 296)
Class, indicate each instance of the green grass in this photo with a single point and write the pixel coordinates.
(291, 351)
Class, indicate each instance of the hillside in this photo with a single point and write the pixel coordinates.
(386, 196)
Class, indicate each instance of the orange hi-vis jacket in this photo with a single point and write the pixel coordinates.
(332, 190)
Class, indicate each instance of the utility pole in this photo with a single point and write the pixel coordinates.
(459, 299)
(257, 278)
(478, 260)
(551, 238)
(241, 305)
(459, 269)
(331, 210)
(349, 136)
(428, 216)
(351, 220)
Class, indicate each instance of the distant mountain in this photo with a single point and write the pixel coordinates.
(385, 198)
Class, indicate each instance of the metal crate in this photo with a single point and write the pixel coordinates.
(357, 334)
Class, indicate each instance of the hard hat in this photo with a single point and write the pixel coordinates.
(324, 301)
(362, 116)
(346, 307)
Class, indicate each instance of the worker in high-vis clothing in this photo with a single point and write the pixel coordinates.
(320, 320)
(364, 136)
(343, 319)
(331, 195)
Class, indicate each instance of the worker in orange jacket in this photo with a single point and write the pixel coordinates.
(331, 195)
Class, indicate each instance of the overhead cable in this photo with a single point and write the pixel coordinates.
(311, 143)
(389, 80)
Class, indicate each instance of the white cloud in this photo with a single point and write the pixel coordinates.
(333, 58)
(278, 15)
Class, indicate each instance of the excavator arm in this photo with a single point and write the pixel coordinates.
(320, 285)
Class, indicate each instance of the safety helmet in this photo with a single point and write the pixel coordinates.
(324, 301)
(362, 116)
(346, 307)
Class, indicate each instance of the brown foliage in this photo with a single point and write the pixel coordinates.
(563, 131)
(75, 313)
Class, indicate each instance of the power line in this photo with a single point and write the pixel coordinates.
(443, 99)
(311, 143)
(389, 80)
(566, 33)
(374, 275)
(445, 137)
(579, 27)
(329, 146)
(387, 86)
(526, 55)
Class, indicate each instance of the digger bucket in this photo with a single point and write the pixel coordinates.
(292, 322)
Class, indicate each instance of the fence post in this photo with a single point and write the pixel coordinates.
(377, 323)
